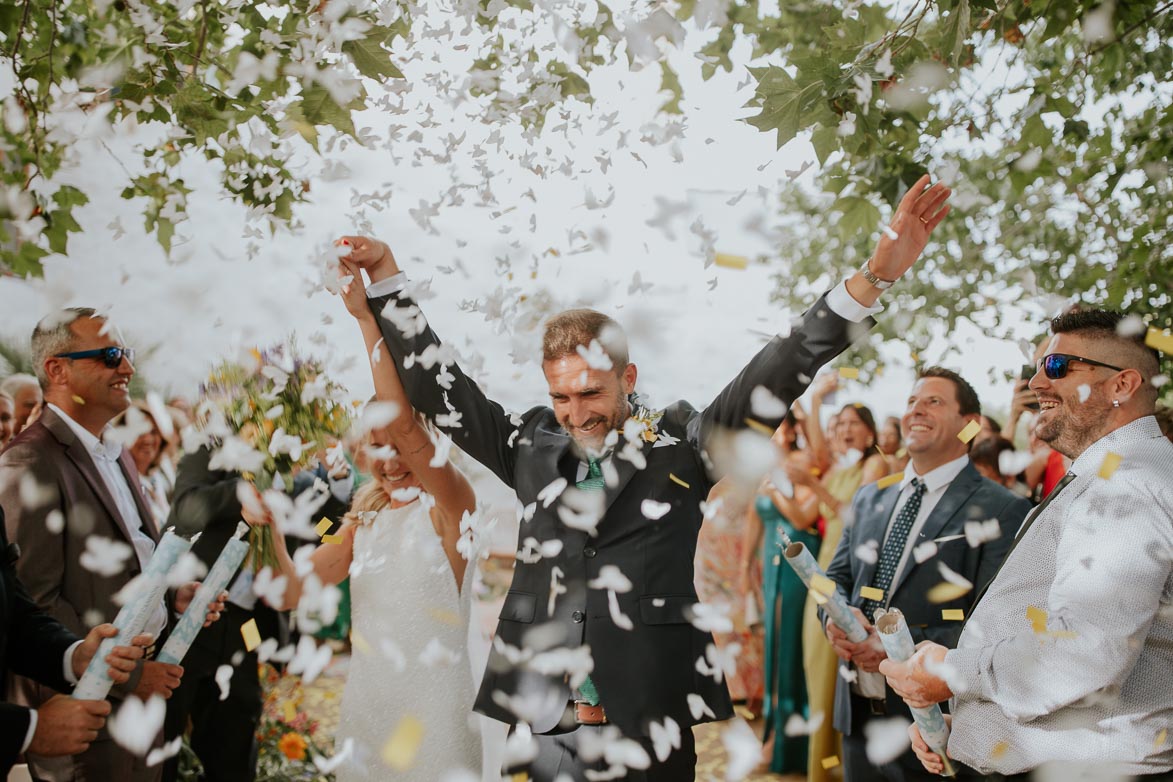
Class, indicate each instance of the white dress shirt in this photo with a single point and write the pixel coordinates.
(1095, 684)
(937, 480)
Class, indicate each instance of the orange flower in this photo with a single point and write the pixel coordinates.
(292, 746)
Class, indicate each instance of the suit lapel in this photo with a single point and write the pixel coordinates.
(954, 500)
(77, 453)
(130, 473)
(625, 470)
(876, 524)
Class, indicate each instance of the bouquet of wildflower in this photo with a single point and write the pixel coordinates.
(288, 741)
(269, 416)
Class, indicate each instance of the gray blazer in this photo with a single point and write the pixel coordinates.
(970, 497)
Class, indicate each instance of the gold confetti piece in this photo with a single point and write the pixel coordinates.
(445, 616)
(830, 762)
(520, 776)
(359, 644)
(999, 749)
(250, 634)
(871, 593)
(1159, 340)
(1037, 618)
(731, 261)
(946, 591)
(335, 539)
(952, 614)
(1109, 465)
(1160, 742)
(677, 481)
(290, 711)
(969, 432)
(822, 584)
(399, 751)
(758, 426)
(890, 480)
(848, 373)
(78, 399)
(323, 526)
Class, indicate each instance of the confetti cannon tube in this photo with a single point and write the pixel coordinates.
(800, 560)
(897, 641)
(192, 621)
(95, 683)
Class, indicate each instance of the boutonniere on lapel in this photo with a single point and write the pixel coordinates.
(646, 418)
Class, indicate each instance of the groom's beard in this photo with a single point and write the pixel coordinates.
(595, 447)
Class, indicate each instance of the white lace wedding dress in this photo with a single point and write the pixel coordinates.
(409, 659)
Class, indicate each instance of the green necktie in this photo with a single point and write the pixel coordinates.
(592, 482)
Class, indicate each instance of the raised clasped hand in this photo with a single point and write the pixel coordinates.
(920, 211)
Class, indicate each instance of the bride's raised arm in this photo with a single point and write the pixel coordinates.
(412, 440)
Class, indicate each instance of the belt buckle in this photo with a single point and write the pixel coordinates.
(586, 714)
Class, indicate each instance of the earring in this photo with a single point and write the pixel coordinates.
(1115, 403)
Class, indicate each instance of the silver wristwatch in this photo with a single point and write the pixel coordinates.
(872, 279)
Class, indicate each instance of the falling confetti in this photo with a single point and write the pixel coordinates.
(969, 432)
(830, 762)
(946, 591)
(323, 527)
(848, 373)
(952, 614)
(871, 593)
(250, 634)
(677, 481)
(400, 750)
(1159, 340)
(889, 480)
(1037, 618)
(1109, 465)
(731, 261)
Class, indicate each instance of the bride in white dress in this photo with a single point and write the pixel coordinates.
(409, 678)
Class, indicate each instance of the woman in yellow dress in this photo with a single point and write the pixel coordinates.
(849, 453)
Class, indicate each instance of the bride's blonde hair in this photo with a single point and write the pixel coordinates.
(371, 497)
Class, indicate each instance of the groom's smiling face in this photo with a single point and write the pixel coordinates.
(588, 402)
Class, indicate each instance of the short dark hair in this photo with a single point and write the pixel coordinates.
(967, 398)
(1104, 326)
(566, 331)
(988, 451)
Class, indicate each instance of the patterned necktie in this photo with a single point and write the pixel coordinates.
(592, 482)
(594, 477)
(894, 547)
(1068, 478)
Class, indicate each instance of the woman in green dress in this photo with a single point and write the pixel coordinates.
(783, 597)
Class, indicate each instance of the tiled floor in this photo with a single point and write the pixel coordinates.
(321, 701)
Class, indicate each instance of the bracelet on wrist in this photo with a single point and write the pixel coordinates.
(872, 279)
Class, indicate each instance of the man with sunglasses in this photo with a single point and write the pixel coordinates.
(63, 488)
(1068, 655)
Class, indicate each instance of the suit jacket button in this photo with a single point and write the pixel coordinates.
(589, 552)
(578, 616)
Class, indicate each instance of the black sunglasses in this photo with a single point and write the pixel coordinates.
(111, 357)
(1055, 364)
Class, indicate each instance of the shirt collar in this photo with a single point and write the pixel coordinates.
(1089, 462)
(97, 447)
(938, 477)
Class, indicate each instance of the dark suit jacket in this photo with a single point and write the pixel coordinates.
(646, 673)
(32, 644)
(970, 497)
(205, 502)
(48, 456)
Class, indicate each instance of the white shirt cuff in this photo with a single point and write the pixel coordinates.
(28, 737)
(845, 306)
(389, 285)
(67, 663)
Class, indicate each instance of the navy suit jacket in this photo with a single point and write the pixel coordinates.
(32, 644)
(648, 672)
(970, 497)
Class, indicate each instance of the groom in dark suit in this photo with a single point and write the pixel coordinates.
(600, 635)
(938, 517)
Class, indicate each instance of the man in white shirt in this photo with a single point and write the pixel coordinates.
(938, 519)
(73, 504)
(1068, 656)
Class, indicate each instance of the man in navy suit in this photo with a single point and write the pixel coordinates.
(34, 644)
(939, 523)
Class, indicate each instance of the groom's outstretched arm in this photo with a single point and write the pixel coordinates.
(433, 381)
(786, 366)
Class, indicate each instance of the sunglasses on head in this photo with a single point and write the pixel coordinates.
(1055, 365)
(111, 356)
